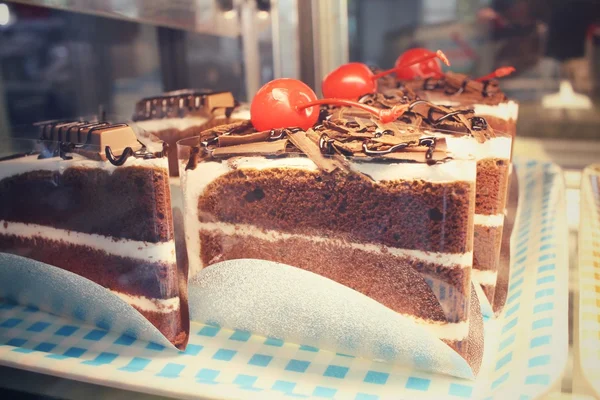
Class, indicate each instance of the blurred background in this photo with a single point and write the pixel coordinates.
(67, 58)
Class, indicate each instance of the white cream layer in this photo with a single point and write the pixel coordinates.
(448, 260)
(145, 251)
(25, 164)
(454, 331)
(195, 181)
(485, 278)
(156, 125)
(508, 110)
(494, 220)
(466, 146)
(163, 306)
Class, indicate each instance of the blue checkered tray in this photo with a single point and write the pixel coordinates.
(589, 277)
(526, 348)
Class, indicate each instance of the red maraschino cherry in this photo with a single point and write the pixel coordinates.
(275, 105)
(430, 68)
(350, 81)
(289, 103)
(499, 73)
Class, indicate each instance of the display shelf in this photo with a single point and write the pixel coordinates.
(513, 368)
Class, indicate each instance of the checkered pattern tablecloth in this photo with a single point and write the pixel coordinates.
(526, 347)
(589, 277)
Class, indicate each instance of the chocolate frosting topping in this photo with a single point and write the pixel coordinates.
(346, 133)
(451, 85)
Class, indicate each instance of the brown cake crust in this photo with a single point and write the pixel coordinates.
(169, 324)
(121, 274)
(492, 184)
(487, 247)
(393, 281)
(132, 202)
(320, 204)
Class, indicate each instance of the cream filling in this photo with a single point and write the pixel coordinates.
(495, 220)
(448, 260)
(466, 146)
(156, 125)
(508, 110)
(485, 278)
(451, 331)
(26, 164)
(163, 306)
(145, 251)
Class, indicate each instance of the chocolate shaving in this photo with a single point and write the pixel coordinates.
(233, 140)
(193, 160)
(273, 148)
(302, 140)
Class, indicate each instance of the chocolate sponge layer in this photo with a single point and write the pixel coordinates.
(408, 214)
(131, 202)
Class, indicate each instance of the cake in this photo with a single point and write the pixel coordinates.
(465, 134)
(386, 213)
(454, 89)
(184, 113)
(95, 202)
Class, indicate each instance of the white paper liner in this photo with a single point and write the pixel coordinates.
(288, 303)
(64, 293)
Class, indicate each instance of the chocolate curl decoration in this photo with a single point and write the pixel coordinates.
(384, 115)
(118, 161)
(499, 73)
(438, 54)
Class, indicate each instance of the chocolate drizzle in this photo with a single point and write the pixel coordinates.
(328, 145)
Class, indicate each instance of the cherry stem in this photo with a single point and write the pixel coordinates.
(384, 115)
(499, 73)
(438, 54)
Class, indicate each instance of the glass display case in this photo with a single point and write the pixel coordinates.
(69, 58)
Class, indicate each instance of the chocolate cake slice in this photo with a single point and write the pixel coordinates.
(173, 116)
(384, 212)
(458, 90)
(93, 201)
(466, 134)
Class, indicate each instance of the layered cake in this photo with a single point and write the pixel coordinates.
(465, 134)
(173, 116)
(93, 201)
(454, 89)
(383, 211)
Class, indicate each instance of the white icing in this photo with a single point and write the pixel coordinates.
(489, 220)
(467, 146)
(150, 252)
(485, 278)
(163, 306)
(443, 330)
(451, 171)
(449, 260)
(507, 110)
(195, 181)
(22, 165)
(156, 125)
